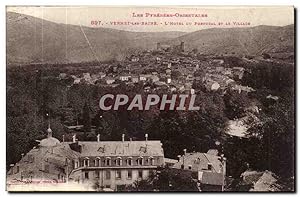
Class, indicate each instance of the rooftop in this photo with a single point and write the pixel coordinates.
(120, 148)
(50, 141)
(199, 161)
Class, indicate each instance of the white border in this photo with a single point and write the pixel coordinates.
(111, 2)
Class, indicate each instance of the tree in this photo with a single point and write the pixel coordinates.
(86, 119)
(176, 180)
(141, 185)
(235, 104)
(166, 179)
(276, 134)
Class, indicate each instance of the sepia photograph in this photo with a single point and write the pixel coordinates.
(150, 99)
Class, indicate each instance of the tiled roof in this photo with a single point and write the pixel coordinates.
(267, 182)
(34, 159)
(260, 181)
(51, 141)
(213, 152)
(249, 177)
(199, 161)
(119, 148)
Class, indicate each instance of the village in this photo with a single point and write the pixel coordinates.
(175, 70)
(169, 69)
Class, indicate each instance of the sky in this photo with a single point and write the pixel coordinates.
(110, 17)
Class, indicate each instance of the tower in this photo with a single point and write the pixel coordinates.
(182, 46)
(158, 46)
(49, 132)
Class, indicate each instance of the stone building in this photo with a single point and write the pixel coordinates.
(210, 167)
(109, 164)
(51, 161)
(115, 164)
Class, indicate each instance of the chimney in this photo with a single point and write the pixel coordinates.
(130, 139)
(178, 156)
(74, 138)
(123, 137)
(22, 155)
(146, 136)
(183, 157)
(63, 138)
(98, 138)
(184, 150)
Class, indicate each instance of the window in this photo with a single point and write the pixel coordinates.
(18, 169)
(140, 161)
(129, 161)
(143, 149)
(97, 174)
(129, 174)
(209, 166)
(86, 162)
(107, 174)
(108, 161)
(118, 174)
(101, 149)
(76, 164)
(119, 161)
(98, 162)
(107, 186)
(86, 175)
(140, 174)
(151, 161)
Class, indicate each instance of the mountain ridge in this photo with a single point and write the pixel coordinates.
(65, 43)
(241, 41)
(34, 40)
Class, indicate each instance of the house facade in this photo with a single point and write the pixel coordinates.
(116, 164)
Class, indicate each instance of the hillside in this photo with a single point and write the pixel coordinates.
(249, 41)
(33, 40)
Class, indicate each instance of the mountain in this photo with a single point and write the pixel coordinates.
(34, 40)
(243, 41)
